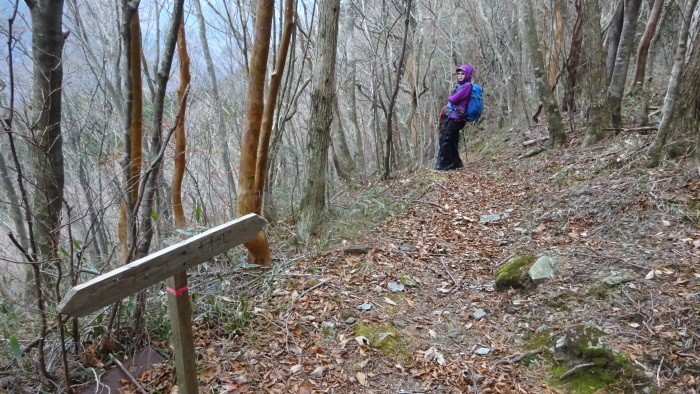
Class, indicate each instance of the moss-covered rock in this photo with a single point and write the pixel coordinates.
(513, 274)
(345, 314)
(387, 339)
(408, 282)
(582, 361)
(328, 330)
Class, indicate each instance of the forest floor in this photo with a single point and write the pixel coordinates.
(626, 240)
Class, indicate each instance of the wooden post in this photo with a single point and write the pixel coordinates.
(170, 263)
(180, 312)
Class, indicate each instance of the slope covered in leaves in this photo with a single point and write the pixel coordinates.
(407, 303)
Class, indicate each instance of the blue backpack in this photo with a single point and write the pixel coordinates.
(474, 108)
(476, 104)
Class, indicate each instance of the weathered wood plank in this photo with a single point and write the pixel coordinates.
(182, 340)
(140, 274)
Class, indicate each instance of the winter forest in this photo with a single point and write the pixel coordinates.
(128, 126)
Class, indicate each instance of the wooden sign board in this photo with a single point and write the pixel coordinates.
(112, 286)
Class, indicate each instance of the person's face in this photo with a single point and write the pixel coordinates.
(460, 75)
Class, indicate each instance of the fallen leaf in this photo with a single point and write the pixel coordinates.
(634, 325)
(432, 333)
(654, 273)
(433, 355)
(696, 244)
(295, 368)
(318, 372)
(410, 303)
(241, 379)
(361, 378)
(315, 350)
(389, 301)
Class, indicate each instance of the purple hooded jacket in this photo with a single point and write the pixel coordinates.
(460, 96)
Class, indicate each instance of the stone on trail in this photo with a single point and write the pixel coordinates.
(479, 314)
(490, 218)
(482, 351)
(543, 269)
(395, 287)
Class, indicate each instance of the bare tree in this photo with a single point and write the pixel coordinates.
(686, 111)
(258, 247)
(643, 49)
(216, 97)
(612, 39)
(597, 112)
(47, 50)
(392, 99)
(557, 135)
(616, 89)
(313, 202)
(180, 139)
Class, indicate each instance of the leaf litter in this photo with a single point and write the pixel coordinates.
(595, 219)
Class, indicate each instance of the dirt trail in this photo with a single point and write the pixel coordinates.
(597, 212)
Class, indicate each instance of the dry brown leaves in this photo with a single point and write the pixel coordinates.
(558, 204)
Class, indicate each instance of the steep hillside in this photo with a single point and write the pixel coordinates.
(408, 303)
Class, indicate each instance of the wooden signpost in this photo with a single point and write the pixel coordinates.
(170, 263)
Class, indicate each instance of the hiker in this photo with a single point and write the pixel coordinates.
(452, 120)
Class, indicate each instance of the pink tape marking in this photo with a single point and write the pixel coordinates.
(177, 292)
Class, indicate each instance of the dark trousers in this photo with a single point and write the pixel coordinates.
(448, 155)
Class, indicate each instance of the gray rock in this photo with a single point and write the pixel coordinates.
(350, 320)
(617, 279)
(395, 287)
(543, 269)
(364, 307)
(490, 218)
(479, 314)
(482, 351)
(406, 246)
(328, 330)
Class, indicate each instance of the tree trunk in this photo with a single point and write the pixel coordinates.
(133, 131)
(258, 247)
(13, 199)
(616, 89)
(150, 177)
(392, 99)
(612, 40)
(263, 154)
(557, 39)
(96, 213)
(49, 177)
(214, 86)
(340, 145)
(597, 113)
(649, 76)
(509, 97)
(573, 62)
(682, 116)
(47, 51)
(643, 49)
(180, 141)
(313, 202)
(349, 88)
(557, 135)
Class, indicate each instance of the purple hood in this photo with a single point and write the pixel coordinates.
(459, 98)
(468, 70)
